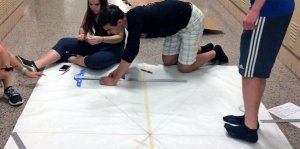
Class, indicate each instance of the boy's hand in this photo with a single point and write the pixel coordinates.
(249, 22)
(108, 80)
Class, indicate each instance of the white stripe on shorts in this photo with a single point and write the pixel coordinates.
(254, 46)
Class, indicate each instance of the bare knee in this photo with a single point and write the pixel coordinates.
(169, 60)
(169, 63)
(184, 68)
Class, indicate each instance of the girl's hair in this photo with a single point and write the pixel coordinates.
(90, 17)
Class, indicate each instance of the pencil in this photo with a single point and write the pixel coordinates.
(146, 71)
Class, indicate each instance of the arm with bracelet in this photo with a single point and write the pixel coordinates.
(12, 63)
(82, 32)
(4, 57)
(113, 38)
(110, 39)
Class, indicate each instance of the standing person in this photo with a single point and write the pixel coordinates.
(95, 51)
(264, 28)
(180, 22)
(8, 63)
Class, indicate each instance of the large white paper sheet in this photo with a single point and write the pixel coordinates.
(138, 115)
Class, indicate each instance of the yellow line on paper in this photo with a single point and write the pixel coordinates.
(148, 116)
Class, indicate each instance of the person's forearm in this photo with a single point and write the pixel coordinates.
(121, 70)
(81, 31)
(111, 39)
(4, 57)
(14, 62)
(9, 60)
(1, 48)
(258, 4)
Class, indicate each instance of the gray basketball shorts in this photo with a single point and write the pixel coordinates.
(259, 48)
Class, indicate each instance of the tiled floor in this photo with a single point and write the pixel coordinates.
(47, 21)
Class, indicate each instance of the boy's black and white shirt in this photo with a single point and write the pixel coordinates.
(159, 19)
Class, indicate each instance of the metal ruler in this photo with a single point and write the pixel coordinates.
(18, 140)
(156, 80)
(134, 79)
(281, 121)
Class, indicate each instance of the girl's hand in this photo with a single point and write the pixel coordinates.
(81, 37)
(93, 40)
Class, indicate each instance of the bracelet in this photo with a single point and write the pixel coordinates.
(23, 70)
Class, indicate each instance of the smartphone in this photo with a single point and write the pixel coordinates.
(64, 67)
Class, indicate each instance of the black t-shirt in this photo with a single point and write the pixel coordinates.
(159, 19)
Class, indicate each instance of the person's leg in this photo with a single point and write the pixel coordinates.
(4, 56)
(256, 62)
(14, 97)
(170, 60)
(95, 56)
(188, 58)
(250, 60)
(48, 58)
(201, 59)
(62, 49)
(105, 57)
(171, 53)
(171, 50)
(6, 78)
(206, 48)
(78, 60)
(253, 89)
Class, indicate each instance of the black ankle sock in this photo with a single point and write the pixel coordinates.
(236, 120)
(242, 132)
(220, 55)
(207, 47)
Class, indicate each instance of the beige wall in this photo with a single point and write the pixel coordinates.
(10, 12)
(290, 51)
(242, 4)
(292, 39)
